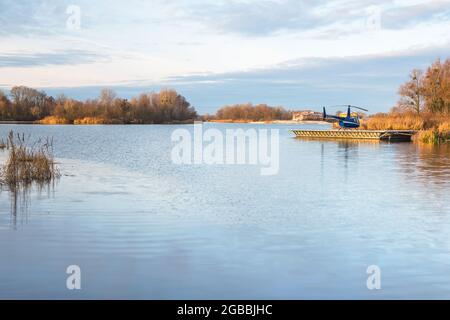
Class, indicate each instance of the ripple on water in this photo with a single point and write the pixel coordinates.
(143, 227)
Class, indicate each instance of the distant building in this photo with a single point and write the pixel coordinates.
(307, 115)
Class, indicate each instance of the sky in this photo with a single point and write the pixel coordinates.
(295, 53)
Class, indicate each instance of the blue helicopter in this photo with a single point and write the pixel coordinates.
(346, 121)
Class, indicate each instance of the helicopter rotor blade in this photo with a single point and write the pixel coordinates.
(359, 108)
(338, 106)
(346, 106)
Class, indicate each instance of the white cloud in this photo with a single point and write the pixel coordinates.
(150, 41)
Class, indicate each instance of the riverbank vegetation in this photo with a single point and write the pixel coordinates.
(424, 105)
(251, 113)
(28, 162)
(28, 104)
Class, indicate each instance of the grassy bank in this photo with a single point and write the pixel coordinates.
(230, 121)
(431, 128)
(86, 120)
(268, 121)
(51, 120)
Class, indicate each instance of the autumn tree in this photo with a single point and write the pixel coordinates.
(141, 107)
(429, 91)
(174, 106)
(106, 102)
(260, 112)
(30, 104)
(163, 107)
(437, 87)
(5, 107)
(68, 108)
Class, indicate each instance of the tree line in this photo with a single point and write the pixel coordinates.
(250, 112)
(28, 104)
(427, 91)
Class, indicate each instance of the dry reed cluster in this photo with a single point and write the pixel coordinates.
(53, 120)
(28, 163)
(432, 128)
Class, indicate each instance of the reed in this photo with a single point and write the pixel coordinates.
(54, 120)
(28, 163)
(437, 135)
(2, 144)
(92, 120)
(393, 121)
(432, 128)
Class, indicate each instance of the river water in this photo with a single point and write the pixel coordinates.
(140, 226)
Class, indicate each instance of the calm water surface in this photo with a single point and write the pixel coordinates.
(140, 226)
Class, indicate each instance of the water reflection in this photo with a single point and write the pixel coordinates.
(427, 163)
(20, 199)
(122, 208)
(347, 151)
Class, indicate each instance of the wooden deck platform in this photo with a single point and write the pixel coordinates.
(387, 135)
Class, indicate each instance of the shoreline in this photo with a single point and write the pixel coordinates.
(169, 123)
(270, 122)
(91, 124)
(16, 122)
(428, 136)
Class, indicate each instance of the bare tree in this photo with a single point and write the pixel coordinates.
(412, 92)
(30, 104)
